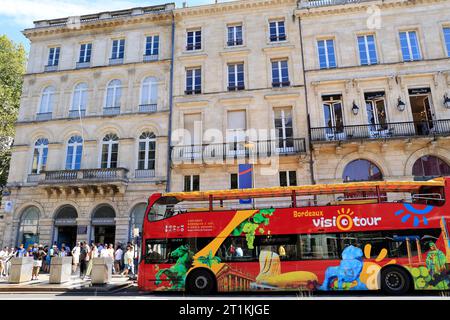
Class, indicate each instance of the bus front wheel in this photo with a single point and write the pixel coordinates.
(395, 281)
(201, 282)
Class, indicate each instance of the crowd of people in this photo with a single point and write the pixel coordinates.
(124, 257)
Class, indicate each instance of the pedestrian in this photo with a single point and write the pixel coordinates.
(3, 257)
(84, 259)
(76, 257)
(118, 255)
(38, 256)
(11, 254)
(128, 260)
(48, 259)
(99, 247)
(93, 253)
(21, 252)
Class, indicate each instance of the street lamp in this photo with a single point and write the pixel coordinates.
(355, 108)
(400, 105)
(446, 101)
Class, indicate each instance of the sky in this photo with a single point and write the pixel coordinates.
(17, 15)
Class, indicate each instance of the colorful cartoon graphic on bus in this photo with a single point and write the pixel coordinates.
(176, 274)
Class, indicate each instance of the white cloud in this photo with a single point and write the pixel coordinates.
(24, 12)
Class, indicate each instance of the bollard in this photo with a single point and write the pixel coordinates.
(21, 270)
(101, 270)
(60, 269)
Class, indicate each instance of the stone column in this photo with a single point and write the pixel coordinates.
(127, 155)
(122, 229)
(91, 154)
(161, 156)
(46, 228)
(56, 154)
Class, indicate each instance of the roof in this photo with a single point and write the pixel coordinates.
(305, 190)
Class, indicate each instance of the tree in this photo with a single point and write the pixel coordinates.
(12, 68)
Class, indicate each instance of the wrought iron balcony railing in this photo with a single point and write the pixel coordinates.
(144, 174)
(44, 116)
(82, 65)
(115, 61)
(111, 111)
(217, 151)
(51, 68)
(148, 108)
(150, 57)
(77, 113)
(381, 131)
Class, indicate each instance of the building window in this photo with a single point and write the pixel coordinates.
(447, 40)
(236, 133)
(113, 96)
(147, 151)
(152, 46)
(327, 57)
(79, 101)
(194, 40)
(191, 183)
(288, 178)
(193, 81)
(47, 100)
(29, 227)
(280, 74)
(410, 46)
(110, 151)
(234, 182)
(376, 114)
(118, 49)
(137, 218)
(367, 50)
(74, 153)
(283, 127)
(85, 53)
(236, 77)
(40, 156)
(53, 56)
(430, 166)
(235, 35)
(361, 170)
(277, 31)
(333, 116)
(149, 92)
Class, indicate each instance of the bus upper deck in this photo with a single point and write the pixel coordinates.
(431, 192)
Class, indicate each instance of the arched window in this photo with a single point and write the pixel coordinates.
(29, 227)
(361, 170)
(47, 100)
(113, 96)
(147, 147)
(110, 150)
(137, 218)
(40, 156)
(74, 153)
(149, 91)
(79, 101)
(430, 166)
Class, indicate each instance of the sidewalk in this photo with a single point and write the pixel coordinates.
(75, 285)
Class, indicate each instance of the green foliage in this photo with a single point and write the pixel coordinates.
(249, 227)
(12, 68)
(209, 260)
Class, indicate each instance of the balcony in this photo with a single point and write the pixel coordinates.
(223, 151)
(109, 111)
(83, 65)
(148, 108)
(84, 181)
(144, 174)
(51, 68)
(150, 57)
(77, 113)
(386, 131)
(115, 61)
(44, 116)
(308, 4)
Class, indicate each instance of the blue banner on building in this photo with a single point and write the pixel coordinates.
(245, 180)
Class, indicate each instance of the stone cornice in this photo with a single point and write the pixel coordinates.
(283, 96)
(72, 27)
(357, 6)
(235, 53)
(196, 103)
(236, 100)
(224, 7)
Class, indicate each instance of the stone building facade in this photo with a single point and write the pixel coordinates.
(308, 92)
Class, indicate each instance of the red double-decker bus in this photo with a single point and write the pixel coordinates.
(394, 239)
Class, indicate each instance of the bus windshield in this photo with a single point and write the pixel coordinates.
(162, 208)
